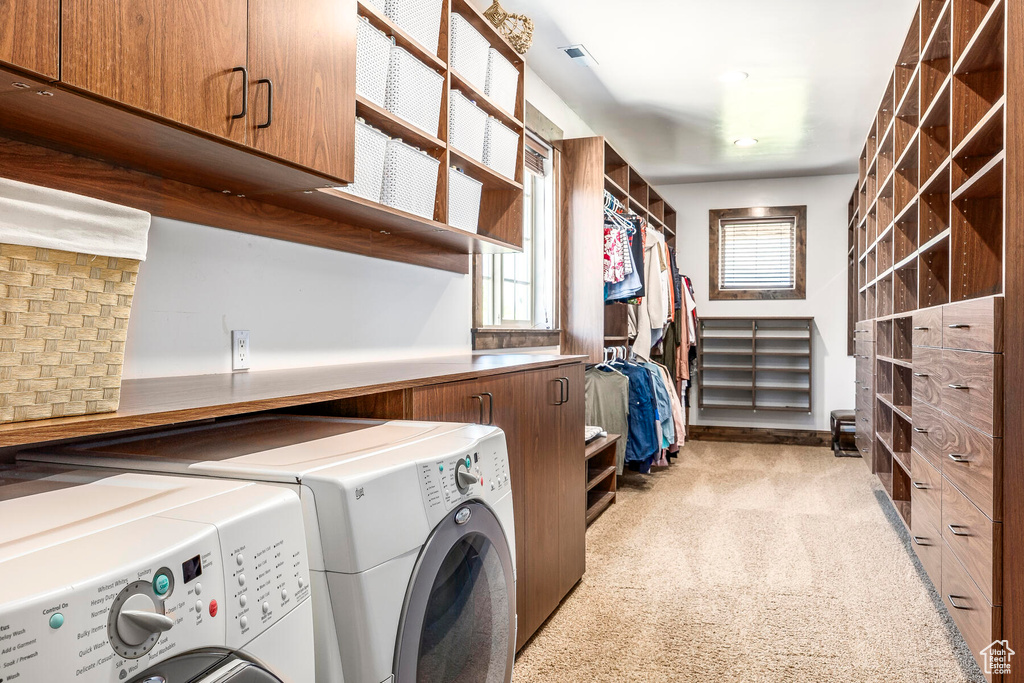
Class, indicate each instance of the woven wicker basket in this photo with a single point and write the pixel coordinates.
(65, 321)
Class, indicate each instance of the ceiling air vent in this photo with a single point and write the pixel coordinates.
(579, 54)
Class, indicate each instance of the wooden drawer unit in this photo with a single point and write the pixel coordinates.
(864, 331)
(979, 621)
(972, 388)
(929, 376)
(928, 327)
(974, 539)
(975, 325)
(973, 462)
(929, 437)
(865, 350)
(928, 545)
(925, 492)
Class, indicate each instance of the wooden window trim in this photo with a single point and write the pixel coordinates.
(497, 338)
(716, 216)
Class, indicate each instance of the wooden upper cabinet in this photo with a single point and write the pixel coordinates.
(307, 51)
(30, 35)
(171, 58)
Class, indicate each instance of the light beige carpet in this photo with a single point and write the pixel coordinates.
(750, 563)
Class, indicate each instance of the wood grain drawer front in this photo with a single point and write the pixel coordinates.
(865, 332)
(925, 493)
(929, 435)
(928, 328)
(865, 350)
(974, 539)
(973, 462)
(972, 389)
(975, 325)
(979, 621)
(929, 375)
(927, 543)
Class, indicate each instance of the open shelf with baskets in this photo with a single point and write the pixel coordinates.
(468, 118)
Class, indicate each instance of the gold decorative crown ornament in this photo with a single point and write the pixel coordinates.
(517, 28)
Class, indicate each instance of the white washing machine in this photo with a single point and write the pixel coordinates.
(410, 530)
(131, 577)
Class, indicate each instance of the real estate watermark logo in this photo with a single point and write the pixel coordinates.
(997, 657)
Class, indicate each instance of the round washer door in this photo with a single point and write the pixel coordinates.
(458, 623)
(207, 666)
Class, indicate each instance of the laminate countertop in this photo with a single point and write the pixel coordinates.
(170, 400)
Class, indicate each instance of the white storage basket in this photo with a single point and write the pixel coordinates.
(414, 91)
(502, 81)
(421, 19)
(371, 149)
(463, 200)
(467, 124)
(501, 148)
(469, 52)
(373, 60)
(410, 180)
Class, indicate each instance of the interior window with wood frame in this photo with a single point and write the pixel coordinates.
(514, 294)
(758, 253)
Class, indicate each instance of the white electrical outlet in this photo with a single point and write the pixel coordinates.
(240, 349)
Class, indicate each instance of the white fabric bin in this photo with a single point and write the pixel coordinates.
(469, 52)
(410, 180)
(371, 149)
(467, 124)
(501, 148)
(463, 200)
(502, 81)
(373, 60)
(414, 91)
(421, 19)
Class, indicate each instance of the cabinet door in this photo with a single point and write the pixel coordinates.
(30, 35)
(572, 498)
(171, 58)
(302, 83)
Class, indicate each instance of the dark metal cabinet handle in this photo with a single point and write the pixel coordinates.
(920, 374)
(245, 92)
(952, 600)
(958, 386)
(920, 431)
(490, 407)
(953, 529)
(921, 329)
(960, 326)
(919, 540)
(270, 102)
(561, 392)
(481, 399)
(564, 382)
(919, 486)
(956, 457)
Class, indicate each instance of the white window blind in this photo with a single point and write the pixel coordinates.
(757, 254)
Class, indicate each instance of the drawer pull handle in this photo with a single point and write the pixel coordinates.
(920, 540)
(952, 600)
(921, 329)
(863, 419)
(920, 374)
(958, 386)
(959, 326)
(919, 430)
(957, 530)
(956, 457)
(919, 486)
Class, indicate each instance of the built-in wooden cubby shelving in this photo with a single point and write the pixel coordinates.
(930, 260)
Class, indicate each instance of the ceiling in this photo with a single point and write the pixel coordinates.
(817, 69)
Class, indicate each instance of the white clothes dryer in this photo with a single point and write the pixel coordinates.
(108, 577)
(409, 525)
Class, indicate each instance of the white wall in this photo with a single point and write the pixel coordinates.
(304, 306)
(826, 198)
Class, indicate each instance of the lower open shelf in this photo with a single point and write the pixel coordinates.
(602, 480)
(598, 502)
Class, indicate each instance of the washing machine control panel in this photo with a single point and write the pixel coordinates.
(106, 606)
(477, 473)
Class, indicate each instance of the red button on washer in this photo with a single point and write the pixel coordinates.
(213, 608)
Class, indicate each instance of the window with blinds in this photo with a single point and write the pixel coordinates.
(757, 254)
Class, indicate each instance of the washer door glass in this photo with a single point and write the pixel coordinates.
(459, 621)
(206, 666)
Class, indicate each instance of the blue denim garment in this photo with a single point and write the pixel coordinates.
(668, 425)
(642, 445)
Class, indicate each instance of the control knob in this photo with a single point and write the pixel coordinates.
(137, 620)
(463, 477)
